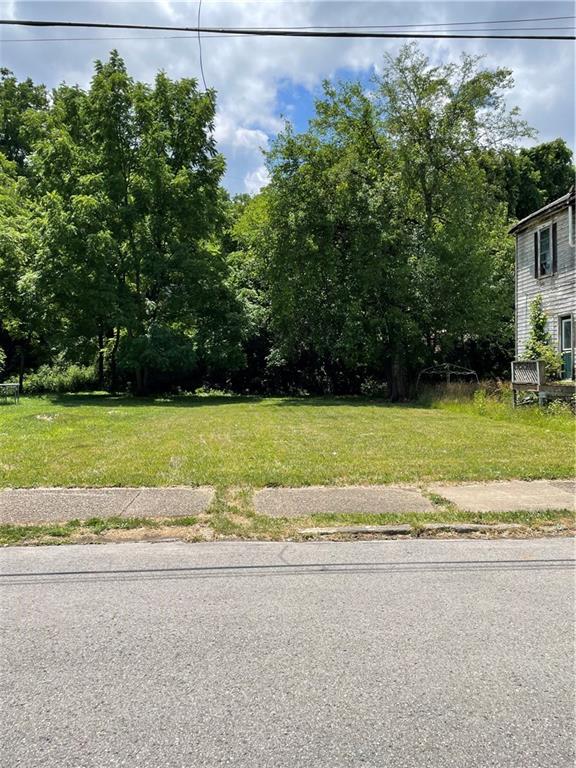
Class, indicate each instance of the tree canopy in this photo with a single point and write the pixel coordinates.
(126, 204)
(384, 244)
(379, 246)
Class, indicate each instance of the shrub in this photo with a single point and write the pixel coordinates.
(539, 345)
(60, 378)
(372, 387)
(161, 356)
(481, 401)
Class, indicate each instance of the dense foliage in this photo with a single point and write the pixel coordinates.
(379, 246)
(539, 345)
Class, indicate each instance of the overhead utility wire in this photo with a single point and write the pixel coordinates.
(159, 37)
(262, 32)
(186, 37)
(109, 39)
(200, 46)
(274, 33)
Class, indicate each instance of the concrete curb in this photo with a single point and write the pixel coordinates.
(396, 530)
(391, 530)
(471, 527)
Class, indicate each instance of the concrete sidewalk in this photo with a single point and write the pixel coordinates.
(319, 499)
(36, 505)
(510, 495)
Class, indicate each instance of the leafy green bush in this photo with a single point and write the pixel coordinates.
(480, 401)
(60, 378)
(539, 345)
(157, 357)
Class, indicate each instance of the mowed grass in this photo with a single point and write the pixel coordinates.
(98, 440)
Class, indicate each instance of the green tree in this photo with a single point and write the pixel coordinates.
(385, 244)
(76, 258)
(539, 345)
(245, 242)
(24, 316)
(21, 108)
(529, 178)
(551, 176)
(130, 208)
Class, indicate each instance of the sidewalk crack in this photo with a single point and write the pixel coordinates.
(129, 504)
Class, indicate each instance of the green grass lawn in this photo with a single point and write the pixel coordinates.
(225, 441)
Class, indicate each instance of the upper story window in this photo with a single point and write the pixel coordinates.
(545, 259)
(545, 251)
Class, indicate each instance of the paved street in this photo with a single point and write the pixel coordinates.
(333, 655)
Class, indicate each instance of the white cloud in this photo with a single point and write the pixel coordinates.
(168, 8)
(250, 138)
(9, 9)
(250, 73)
(255, 180)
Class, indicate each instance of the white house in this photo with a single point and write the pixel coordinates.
(546, 265)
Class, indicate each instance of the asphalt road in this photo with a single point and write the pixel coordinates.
(401, 654)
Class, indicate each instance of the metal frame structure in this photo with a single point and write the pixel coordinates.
(10, 390)
(448, 371)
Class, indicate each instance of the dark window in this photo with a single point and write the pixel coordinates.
(545, 252)
(566, 336)
(566, 347)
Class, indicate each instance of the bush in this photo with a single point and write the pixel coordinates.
(372, 387)
(480, 401)
(158, 359)
(60, 378)
(539, 345)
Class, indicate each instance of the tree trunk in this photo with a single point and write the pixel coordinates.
(397, 379)
(20, 369)
(113, 366)
(138, 376)
(100, 360)
(141, 380)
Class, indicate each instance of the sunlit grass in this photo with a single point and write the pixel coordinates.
(228, 441)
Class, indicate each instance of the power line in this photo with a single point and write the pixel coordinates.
(169, 37)
(108, 39)
(200, 46)
(267, 32)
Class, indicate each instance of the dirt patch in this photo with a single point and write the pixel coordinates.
(180, 532)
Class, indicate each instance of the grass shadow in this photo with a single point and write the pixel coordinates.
(198, 401)
(354, 401)
(130, 401)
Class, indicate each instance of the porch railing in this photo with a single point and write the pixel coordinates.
(528, 372)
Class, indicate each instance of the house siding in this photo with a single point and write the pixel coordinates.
(558, 291)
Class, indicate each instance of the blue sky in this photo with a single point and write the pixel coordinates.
(262, 81)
